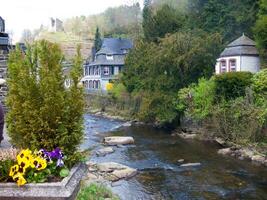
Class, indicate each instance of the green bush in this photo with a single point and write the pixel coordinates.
(95, 192)
(157, 107)
(197, 100)
(259, 86)
(5, 166)
(42, 113)
(232, 85)
(239, 121)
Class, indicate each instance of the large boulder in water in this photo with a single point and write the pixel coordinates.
(116, 140)
(111, 171)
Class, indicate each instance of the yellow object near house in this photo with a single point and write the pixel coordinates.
(109, 86)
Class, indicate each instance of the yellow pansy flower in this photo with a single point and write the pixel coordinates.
(19, 179)
(14, 170)
(39, 163)
(24, 154)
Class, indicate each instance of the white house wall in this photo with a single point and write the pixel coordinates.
(250, 64)
(104, 84)
(227, 59)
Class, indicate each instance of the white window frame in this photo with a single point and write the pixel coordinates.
(232, 68)
(106, 71)
(109, 57)
(223, 69)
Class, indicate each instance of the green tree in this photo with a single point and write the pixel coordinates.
(157, 71)
(98, 40)
(148, 21)
(230, 19)
(165, 20)
(260, 31)
(42, 113)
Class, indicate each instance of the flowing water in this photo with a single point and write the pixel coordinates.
(156, 154)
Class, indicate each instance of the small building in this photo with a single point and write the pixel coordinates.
(2, 25)
(55, 25)
(107, 64)
(4, 38)
(240, 55)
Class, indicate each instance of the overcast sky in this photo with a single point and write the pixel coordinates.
(30, 14)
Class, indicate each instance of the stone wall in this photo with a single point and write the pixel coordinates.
(3, 75)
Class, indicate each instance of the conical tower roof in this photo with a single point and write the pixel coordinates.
(241, 46)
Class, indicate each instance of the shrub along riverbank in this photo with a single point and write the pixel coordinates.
(232, 105)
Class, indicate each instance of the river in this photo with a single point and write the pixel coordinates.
(156, 154)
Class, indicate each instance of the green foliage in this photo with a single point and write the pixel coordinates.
(42, 113)
(260, 31)
(5, 166)
(34, 176)
(64, 172)
(230, 19)
(166, 20)
(51, 173)
(95, 192)
(234, 103)
(232, 85)
(118, 90)
(157, 107)
(158, 71)
(98, 40)
(239, 121)
(198, 99)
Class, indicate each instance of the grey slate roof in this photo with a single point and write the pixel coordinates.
(119, 60)
(115, 46)
(241, 46)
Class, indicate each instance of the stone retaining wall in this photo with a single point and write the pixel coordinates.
(3, 75)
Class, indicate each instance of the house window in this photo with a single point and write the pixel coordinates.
(106, 70)
(109, 57)
(223, 66)
(232, 65)
(116, 70)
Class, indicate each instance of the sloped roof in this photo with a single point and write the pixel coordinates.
(114, 46)
(241, 46)
(117, 60)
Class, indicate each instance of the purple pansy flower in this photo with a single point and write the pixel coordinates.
(55, 154)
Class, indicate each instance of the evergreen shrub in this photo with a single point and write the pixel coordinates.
(42, 112)
(232, 85)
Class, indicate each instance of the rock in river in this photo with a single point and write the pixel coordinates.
(112, 171)
(116, 140)
(225, 151)
(190, 165)
(104, 151)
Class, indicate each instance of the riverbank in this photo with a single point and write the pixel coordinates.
(253, 152)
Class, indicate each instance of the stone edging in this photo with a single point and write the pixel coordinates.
(64, 190)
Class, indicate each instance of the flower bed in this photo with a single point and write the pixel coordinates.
(34, 167)
(65, 190)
